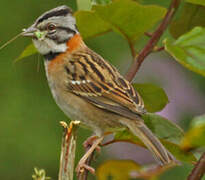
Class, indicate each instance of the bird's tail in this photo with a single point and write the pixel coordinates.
(139, 129)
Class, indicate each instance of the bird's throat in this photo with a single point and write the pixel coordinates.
(72, 44)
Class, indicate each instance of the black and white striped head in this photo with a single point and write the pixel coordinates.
(52, 30)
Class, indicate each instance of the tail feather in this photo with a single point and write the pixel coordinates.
(140, 130)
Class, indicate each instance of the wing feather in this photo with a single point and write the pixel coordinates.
(91, 77)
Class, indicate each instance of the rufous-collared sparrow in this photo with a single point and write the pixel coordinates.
(85, 86)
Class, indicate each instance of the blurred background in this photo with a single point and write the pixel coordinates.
(30, 134)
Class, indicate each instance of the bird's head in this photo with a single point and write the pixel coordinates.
(52, 31)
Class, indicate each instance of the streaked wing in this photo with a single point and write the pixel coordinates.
(94, 79)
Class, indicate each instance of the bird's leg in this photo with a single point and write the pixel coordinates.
(82, 163)
(89, 142)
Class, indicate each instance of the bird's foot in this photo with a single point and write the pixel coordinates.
(82, 166)
(89, 142)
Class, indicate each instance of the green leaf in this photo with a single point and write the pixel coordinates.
(90, 24)
(163, 128)
(177, 173)
(116, 169)
(199, 2)
(195, 137)
(169, 134)
(129, 18)
(155, 99)
(102, 2)
(28, 51)
(131, 22)
(189, 50)
(191, 16)
(178, 153)
(156, 2)
(126, 135)
(84, 4)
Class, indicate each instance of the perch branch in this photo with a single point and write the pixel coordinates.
(84, 175)
(68, 147)
(153, 40)
(199, 169)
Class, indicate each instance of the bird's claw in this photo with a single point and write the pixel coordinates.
(81, 167)
(89, 142)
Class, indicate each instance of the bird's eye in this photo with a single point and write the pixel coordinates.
(51, 27)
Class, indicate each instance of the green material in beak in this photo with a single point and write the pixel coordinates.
(33, 32)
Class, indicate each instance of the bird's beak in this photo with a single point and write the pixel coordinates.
(30, 32)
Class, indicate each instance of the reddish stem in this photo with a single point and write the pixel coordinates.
(153, 40)
(199, 169)
(148, 34)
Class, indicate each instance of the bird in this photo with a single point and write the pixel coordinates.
(86, 87)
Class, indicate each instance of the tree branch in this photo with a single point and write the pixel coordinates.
(153, 40)
(68, 147)
(132, 48)
(199, 169)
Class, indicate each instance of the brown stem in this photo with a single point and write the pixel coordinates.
(132, 48)
(153, 40)
(148, 34)
(68, 147)
(199, 169)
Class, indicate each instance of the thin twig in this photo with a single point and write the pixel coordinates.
(148, 34)
(199, 169)
(153, 40)
(132, 48)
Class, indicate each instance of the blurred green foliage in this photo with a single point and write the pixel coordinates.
(189, 50)
(122, 172)
(152, 103)
(196, 134)
(84, 4)
(190, 15)
(28, 51)
(129, 170)
(199, 2)
(131, 26)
